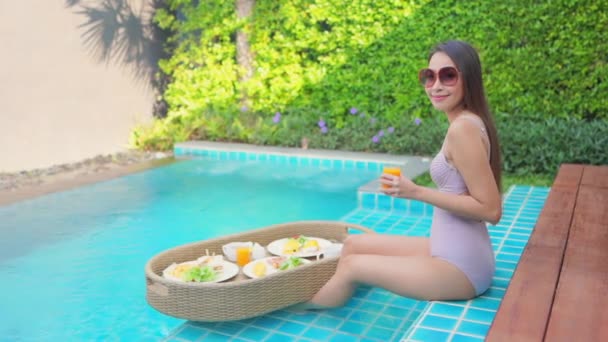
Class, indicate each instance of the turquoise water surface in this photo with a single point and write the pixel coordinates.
(72, 262)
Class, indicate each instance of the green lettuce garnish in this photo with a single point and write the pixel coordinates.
(290, 263)
(200, 274)
(302, 240)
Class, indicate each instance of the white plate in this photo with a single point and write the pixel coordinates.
(228, 271)
(270, 269)
(276, 247)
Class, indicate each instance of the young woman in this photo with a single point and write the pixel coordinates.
(457, 261)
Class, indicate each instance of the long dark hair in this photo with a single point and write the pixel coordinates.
(467, 61)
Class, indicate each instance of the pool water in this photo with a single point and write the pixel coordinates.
(72, 262)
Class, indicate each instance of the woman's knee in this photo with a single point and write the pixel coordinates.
(351, 244)
(346, 264)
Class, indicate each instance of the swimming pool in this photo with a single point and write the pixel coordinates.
(72, 262)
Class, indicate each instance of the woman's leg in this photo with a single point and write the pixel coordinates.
(419, 277)
(384, 244)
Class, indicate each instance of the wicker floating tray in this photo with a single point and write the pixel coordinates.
(242, 297)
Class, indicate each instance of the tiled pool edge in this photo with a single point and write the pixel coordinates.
(470, 320)
(296, 156)
(439, 320)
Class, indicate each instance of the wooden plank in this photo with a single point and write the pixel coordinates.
(525, 309)
(568, 175)
(579, 309)
(553, 223)
(596, 176)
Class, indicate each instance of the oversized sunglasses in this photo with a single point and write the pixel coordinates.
(448, 76)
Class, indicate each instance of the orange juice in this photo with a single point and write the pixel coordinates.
(391, 170)
(243, 256)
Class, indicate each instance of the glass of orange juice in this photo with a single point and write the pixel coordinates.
(391, 170)
(243, 256)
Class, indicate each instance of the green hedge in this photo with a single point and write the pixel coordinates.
(318, 59)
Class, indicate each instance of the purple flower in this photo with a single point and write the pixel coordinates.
(381, 133)
(417, 121)
(244, 109)
(376, 139)
(354, 111)
(324, 129)
(277, 118)
(391, 129)
(372, 120)
(321, 123)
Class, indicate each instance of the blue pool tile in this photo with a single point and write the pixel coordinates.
(502, 283)
(267, 322)
(230, 328)
(385, 202)
(513, 250)
(352, 328)
(363, 316)
(379, 295)
(439, 322)
(515, 243)
(394, 311)
(388, 322)
(326, 162)
(373, 166)
(472, 328)
(422, 334)
(400, 205)
(327, 322)
(277, 337)
(479, 315)
(303, 317)
(506, 265)
(254, 333)
(349, 164)
(447, 309)
(361, 165)
(317, 334)
(190, 333)
(353, 303)
(404, 302)
(485, 303)
(508, 257)
(216, 337)
(343, 338)
(373, 307)
(380, 333)
(340, 312)
(292, 328)
(465, 338)
(494, 293)
(368, 200)
(416, 208)
(503, 273)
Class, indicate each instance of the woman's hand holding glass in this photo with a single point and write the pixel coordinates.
(397, 185)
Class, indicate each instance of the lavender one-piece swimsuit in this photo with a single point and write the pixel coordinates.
(462, 241)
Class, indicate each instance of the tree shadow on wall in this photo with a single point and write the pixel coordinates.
(122, 33)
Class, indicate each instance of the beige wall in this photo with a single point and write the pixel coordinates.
(60, 101)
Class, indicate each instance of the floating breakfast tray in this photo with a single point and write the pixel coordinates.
(242, 297)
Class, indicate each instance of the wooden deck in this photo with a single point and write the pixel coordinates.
(559, 291)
